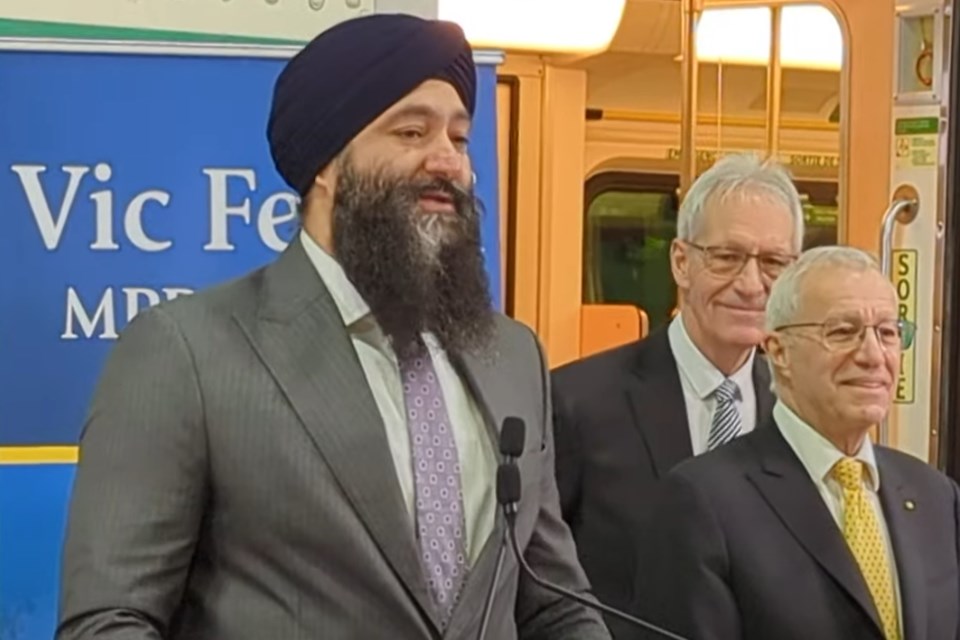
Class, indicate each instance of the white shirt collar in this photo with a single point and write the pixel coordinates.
(702, 375)
(350, 303)
(818, 454)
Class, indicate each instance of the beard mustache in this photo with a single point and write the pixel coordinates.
(418, 271)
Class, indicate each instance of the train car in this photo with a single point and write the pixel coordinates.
(628, 141)
(598, 147)
(135, 170)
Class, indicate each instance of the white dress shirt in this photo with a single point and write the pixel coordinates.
(699, 378)
(818, 456)
(380, 366)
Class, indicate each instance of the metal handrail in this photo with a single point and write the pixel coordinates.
(903, 209)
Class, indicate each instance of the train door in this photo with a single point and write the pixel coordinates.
(917, 235)
(948, 403)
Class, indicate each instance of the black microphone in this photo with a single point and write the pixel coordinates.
(511, 446)
(508, 495)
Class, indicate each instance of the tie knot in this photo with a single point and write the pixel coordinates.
(849, 473)
(727, 391)
(410, 353)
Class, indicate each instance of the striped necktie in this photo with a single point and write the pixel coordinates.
(726, 417)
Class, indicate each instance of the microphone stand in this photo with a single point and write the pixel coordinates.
(488, 603)
(512, 435)
(510, 511)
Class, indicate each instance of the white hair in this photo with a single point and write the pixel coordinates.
(784, 300)
(739, 174)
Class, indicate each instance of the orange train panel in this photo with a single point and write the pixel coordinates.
(604, 326)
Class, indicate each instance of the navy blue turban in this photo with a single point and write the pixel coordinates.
(348, 76)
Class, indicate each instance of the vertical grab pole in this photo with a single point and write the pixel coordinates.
(688, 109)
(774, 84)
(903, 209)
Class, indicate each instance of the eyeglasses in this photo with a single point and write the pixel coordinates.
(844, 335)
(728, 262)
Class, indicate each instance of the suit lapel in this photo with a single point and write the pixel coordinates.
(787, 488)
(659, 409)
(895, 494)
(492, 397)
(300, 337)
(761, 389)
(470, 605)
(483, 386)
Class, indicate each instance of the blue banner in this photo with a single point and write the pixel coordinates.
(33, 501)
(131, 179)
(483, 153)
(125, 179)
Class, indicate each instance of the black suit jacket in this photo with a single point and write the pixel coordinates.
(742, 546)
(620, 423)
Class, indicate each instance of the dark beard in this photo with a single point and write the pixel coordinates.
(418, 273)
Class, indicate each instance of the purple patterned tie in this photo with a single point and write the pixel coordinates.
(436, 470)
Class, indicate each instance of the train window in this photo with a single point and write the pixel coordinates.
(631, 219)
(820, 212)
(743, 100)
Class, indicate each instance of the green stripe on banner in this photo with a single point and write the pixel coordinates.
(10, 28)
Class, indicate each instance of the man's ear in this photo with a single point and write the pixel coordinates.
(317, 206)
(680, 264)
(776, 352)
(325, 182)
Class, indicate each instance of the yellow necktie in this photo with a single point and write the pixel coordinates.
(862, 532)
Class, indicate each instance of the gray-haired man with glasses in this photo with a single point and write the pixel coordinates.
(625, 417)
(807, 529)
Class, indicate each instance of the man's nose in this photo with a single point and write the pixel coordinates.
(749, 282)
(871, 352)
(444, 162)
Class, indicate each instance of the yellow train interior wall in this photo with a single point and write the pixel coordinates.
(548, 148)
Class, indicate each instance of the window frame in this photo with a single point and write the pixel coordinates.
(819, 192)
(629, 181)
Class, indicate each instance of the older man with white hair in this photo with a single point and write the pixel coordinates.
(623, 418)
(807, 529)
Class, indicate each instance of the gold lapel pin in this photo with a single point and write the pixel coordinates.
(909, 505)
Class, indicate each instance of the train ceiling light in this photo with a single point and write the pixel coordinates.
(810, 37)
(549, 26)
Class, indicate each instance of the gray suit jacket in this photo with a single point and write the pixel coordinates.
(235, 482)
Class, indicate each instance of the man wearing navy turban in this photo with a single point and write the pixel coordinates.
(309, 451)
